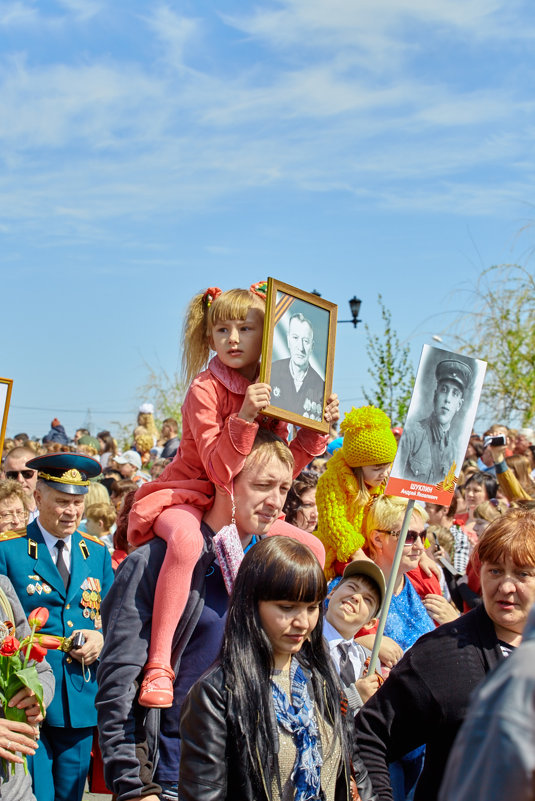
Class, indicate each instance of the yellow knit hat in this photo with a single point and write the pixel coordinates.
(368, 438)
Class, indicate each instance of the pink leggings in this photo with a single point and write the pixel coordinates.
(179, 526)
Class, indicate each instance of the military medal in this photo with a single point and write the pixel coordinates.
(86, 613)
(47, 588)
(30, 589)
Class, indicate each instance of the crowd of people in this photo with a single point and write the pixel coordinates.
(214, 590)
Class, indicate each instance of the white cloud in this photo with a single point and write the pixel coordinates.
(18, 14)
(82, 10)
(93, 139)
(177, 33)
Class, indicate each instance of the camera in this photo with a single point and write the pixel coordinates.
(494, 442)
(78, 640)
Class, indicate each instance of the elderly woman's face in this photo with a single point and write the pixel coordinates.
(412, 551)
(508, 593)
(13, 515)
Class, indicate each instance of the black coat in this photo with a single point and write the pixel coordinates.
(424, 701)
(214, 760)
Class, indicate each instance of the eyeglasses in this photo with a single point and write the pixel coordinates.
(27, 474)
(10, 517)
(411, 537)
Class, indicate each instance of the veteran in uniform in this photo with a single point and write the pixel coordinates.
(295, 385)
(426, 450)
(52, 564)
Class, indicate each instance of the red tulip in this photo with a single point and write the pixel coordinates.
(50, 641)
(10, 646)
(38, 617)
(37, 652)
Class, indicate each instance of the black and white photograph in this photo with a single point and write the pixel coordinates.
(298, 358)
(440, 418)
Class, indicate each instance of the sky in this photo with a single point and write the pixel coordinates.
(149, 150)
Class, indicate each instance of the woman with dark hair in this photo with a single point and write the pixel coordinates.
(108, 448)
(265, 722)
(478, 488)
(300, 507)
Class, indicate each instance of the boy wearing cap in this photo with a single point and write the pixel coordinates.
(354, 604)
(130, 467)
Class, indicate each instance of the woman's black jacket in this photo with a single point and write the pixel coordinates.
(214, 764)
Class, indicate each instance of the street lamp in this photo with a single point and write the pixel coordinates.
(354, 305)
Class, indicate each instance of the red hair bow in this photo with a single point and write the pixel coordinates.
(210, 295)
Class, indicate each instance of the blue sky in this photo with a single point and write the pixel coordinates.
(148, 150)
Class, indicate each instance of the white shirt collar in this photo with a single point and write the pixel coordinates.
(333, 636)
(50, 539)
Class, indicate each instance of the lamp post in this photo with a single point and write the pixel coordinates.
(354, 305)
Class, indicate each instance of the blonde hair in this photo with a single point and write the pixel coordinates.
(102, 511)
(146, 420)
(341, 498)
(490, 511)
(96, 493)
(202, 315)
(521, 467)
(443, 539)
(144, 442)
(385, 513)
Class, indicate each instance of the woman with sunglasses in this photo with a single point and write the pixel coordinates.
(409, 616)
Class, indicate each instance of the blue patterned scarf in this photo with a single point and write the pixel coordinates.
(298, 719)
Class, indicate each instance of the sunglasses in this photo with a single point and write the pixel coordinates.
(27, 474)
(411, 537)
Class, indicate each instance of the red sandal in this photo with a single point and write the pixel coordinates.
(157, 687)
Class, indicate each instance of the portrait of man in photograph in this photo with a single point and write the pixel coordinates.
(427, 448)
(295, 385)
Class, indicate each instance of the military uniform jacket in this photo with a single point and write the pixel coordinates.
(26, 560)
(307, 401)
(425, 453)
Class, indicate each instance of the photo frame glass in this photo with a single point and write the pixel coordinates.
(298, 354)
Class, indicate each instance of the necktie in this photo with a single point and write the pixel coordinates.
(61, 563)
(347, 671)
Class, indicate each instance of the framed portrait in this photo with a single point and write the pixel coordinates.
(6, 385)
(298, 354)
(437, 430)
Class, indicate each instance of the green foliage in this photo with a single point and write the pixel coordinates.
(500, 329)
(391, 370)
(166, 392)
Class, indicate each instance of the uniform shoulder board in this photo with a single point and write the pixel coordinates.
(12, 535)
(87, 536)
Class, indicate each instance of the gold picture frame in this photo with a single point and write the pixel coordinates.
(298, 354)
(6, 385)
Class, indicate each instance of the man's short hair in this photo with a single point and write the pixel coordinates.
(20, 451)
(172, 423)
(267, 445)
(302, 319)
